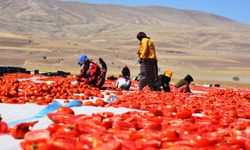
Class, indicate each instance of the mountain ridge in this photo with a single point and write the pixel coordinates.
(52, 16)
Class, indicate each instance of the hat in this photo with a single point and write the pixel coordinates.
(168, 73)
(141, 35)
(126, 71)
(82, 59)
(189, 78)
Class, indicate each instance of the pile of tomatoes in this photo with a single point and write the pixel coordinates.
(217, 118)
(155, 129)
(15, 90)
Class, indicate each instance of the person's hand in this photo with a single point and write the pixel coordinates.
(140, 61)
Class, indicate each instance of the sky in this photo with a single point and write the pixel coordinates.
(238, 10)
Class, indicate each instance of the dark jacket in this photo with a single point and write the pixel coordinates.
(186, 81)
(162, 81)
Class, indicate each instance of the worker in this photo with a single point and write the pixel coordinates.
(124, 81)
(148, 62)
(183, 85)
(163, 81)
(91, 72)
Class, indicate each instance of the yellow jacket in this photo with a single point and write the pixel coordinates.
(147, 49)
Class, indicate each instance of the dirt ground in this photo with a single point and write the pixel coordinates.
(52, 55)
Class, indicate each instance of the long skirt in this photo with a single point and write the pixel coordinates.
(148, 74)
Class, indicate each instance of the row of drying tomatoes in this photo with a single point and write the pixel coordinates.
(134, 131)
(165, 125)
(217, 102)
(14, 91)
(218, 119)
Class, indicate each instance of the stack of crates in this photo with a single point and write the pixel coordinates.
(7, 69)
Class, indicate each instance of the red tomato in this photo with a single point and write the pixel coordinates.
(37, 136)
(107, 123)
(61, 117)
(247, 144)
(183, 114)
(154, 112)
(145, 143)
(91, 140)
(34, 146)
(88, 103)
(106, 114)
(100, 102)
(67, 130)
(64, 109)
(3, 127)
(148, 125)
(13, 93)
(91, 128)
(63, 143)
(200, 141)
(110, 145)
(122, 125)
(19, 130)
(169, 135)
(53, 127)
(170, 108)
(100, 95)
(237, 140)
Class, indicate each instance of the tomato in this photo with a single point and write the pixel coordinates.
(200, 141)
(122, 125)
(67, 130)
(53, 127)
(247, 144)
(237, 140)
(3, 127)
(61, 117)
(63, 143)
(128, 144)
(91, 128)
(106, 114)
(148, 125)
(100, 95)
(100, 102)
(107, 123)
(91, 140)
(13, 93)
(169, 135)
(34, 146)
(154, 112)
(36, 136)
(64, 109)
(19, 130)
(88, 103)
(170, 108)
(183, 114)
(145, 143)
(110, 145)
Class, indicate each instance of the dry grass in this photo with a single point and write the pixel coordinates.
(205, 66)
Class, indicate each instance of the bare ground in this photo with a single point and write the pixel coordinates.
(52, 55)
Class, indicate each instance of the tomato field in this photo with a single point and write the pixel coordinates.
(207, 118)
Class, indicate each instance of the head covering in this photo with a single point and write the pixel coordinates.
(189, 78)
(82, 59)
(141, 35)
(126, 72)
(168, 73)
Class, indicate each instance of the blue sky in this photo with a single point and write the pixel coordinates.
(238, 10)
